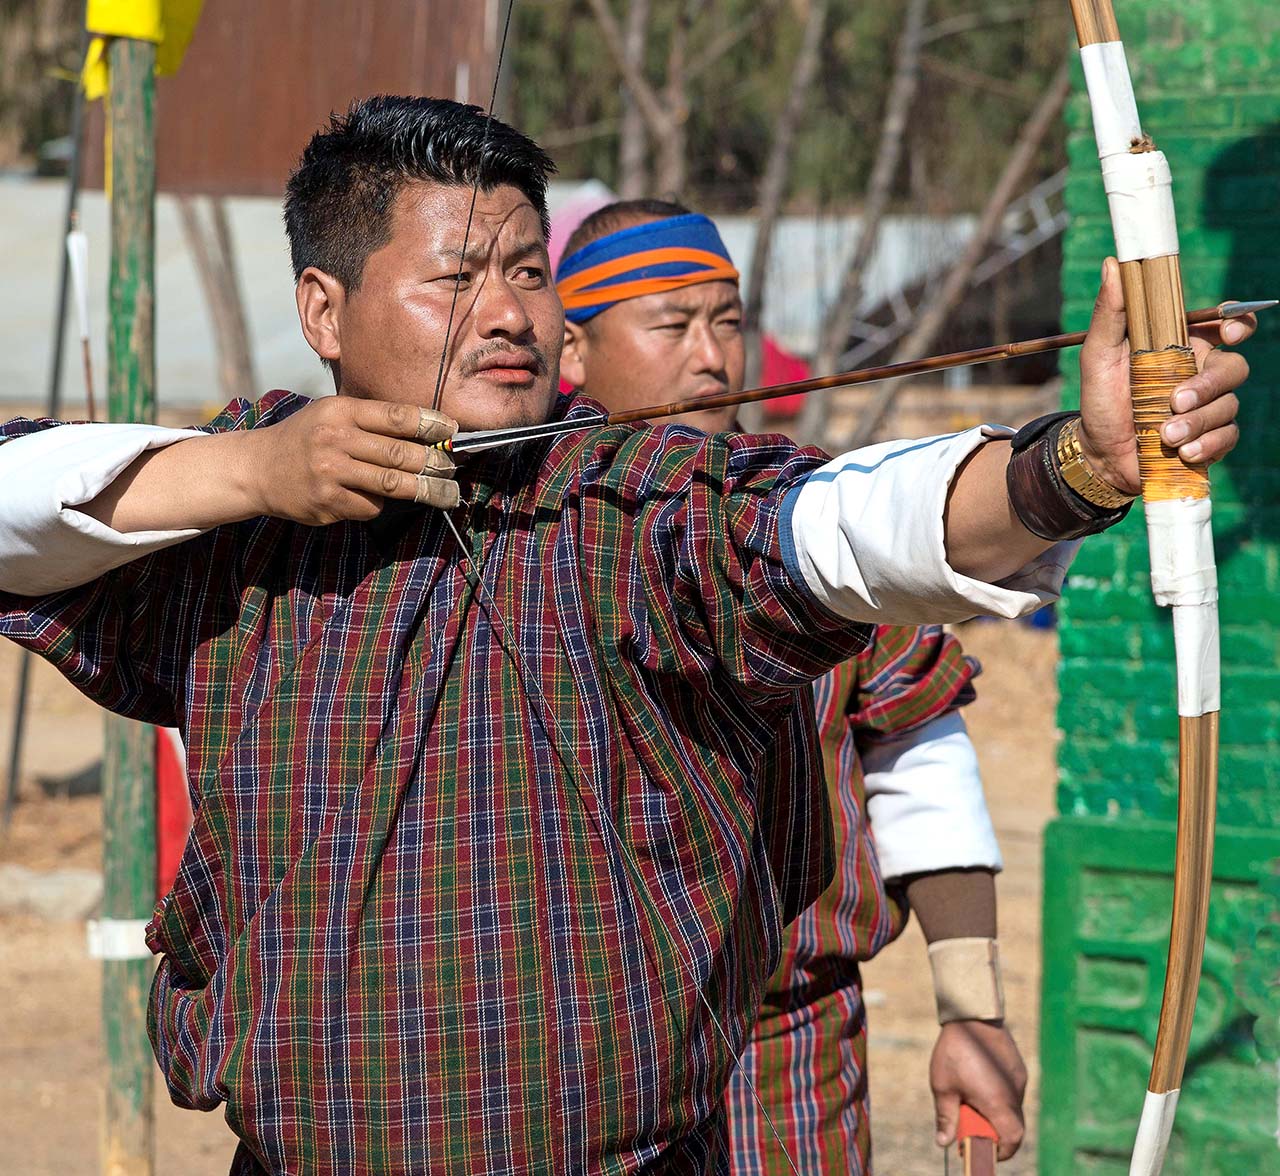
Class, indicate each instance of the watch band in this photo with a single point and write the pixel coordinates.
(1080, 475)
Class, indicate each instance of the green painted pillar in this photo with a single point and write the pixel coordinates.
(128, 796)
(1207, 76)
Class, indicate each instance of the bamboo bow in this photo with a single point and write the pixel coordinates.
(1176, 501)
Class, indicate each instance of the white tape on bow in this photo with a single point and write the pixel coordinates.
(1115, 110)
(1154, 1129)
(1182, 564)
(1140, 193)
(1185, 578)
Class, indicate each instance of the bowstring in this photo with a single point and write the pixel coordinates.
(602, 822)
(471, 212)
(506, 643)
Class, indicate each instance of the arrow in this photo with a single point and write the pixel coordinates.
(474, 442)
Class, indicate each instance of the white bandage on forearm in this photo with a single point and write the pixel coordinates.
(966, 980)
(1139, 186)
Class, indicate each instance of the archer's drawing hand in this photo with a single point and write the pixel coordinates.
(341, 458)
(977, 1062)
(1203, 427)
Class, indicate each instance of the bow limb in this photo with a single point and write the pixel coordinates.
(1176, 502)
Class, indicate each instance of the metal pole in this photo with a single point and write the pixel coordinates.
(128, 789)
(10, 795)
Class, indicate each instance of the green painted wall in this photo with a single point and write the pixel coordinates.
(1207, 76)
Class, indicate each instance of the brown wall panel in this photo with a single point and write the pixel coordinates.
(259, 78)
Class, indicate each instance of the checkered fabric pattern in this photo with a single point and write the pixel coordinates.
(807, 1056)
(433, 909)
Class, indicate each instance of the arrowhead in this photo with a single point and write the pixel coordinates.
(1237, 309)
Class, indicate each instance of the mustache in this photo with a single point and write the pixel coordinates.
(520, 357)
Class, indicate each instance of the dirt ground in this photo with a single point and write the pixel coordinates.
(50, 1017)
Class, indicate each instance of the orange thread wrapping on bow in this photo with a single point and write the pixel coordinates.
(1153, 376)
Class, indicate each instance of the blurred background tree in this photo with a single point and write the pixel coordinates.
(983, 67)
(724, 67)
(39, 42)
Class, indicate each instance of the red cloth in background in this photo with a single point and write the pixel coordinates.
(779, 366)
(173, 807)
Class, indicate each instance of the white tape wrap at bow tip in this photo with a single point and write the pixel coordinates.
(1185, 578)
(1154, 1130)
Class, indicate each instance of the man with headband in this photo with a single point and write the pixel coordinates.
(652, 307)
(495, 831)
(655, 273)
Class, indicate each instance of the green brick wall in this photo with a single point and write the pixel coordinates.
(1207, 76)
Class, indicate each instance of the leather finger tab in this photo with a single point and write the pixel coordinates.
(438, 463)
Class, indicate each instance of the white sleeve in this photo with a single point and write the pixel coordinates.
(925, 802)
(866, 535)
(46, 545)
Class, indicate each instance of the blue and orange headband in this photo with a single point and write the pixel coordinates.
(651, 258)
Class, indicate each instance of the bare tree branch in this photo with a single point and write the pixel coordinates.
(839, 318)
(238, 345)
(553, 140)
(966, 22)
(213, 252)
(656, 118)
(777, 175)
(633, 140)
(967, 76)
(672, 164)
(948, 294)
(725, 41)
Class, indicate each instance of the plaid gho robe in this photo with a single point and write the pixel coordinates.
(402, 938)
(807, 1056)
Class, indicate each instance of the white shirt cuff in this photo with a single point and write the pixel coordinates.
(46, 545)
(925, 802)
(866, 535)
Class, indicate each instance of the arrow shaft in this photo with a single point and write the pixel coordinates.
(472, 442)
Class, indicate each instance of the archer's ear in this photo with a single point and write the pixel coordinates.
(573, 359)
(321, 298)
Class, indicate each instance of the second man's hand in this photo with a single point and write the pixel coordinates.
(978, 1063)
(337, 459)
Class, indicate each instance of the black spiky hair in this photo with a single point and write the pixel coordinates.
(339, 200)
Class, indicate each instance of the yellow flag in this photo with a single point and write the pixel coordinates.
(169, 23)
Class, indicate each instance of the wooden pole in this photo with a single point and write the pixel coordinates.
(128, 788)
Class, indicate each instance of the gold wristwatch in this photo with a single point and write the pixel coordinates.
(1080, 475)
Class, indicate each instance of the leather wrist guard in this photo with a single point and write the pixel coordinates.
(1038, 492)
